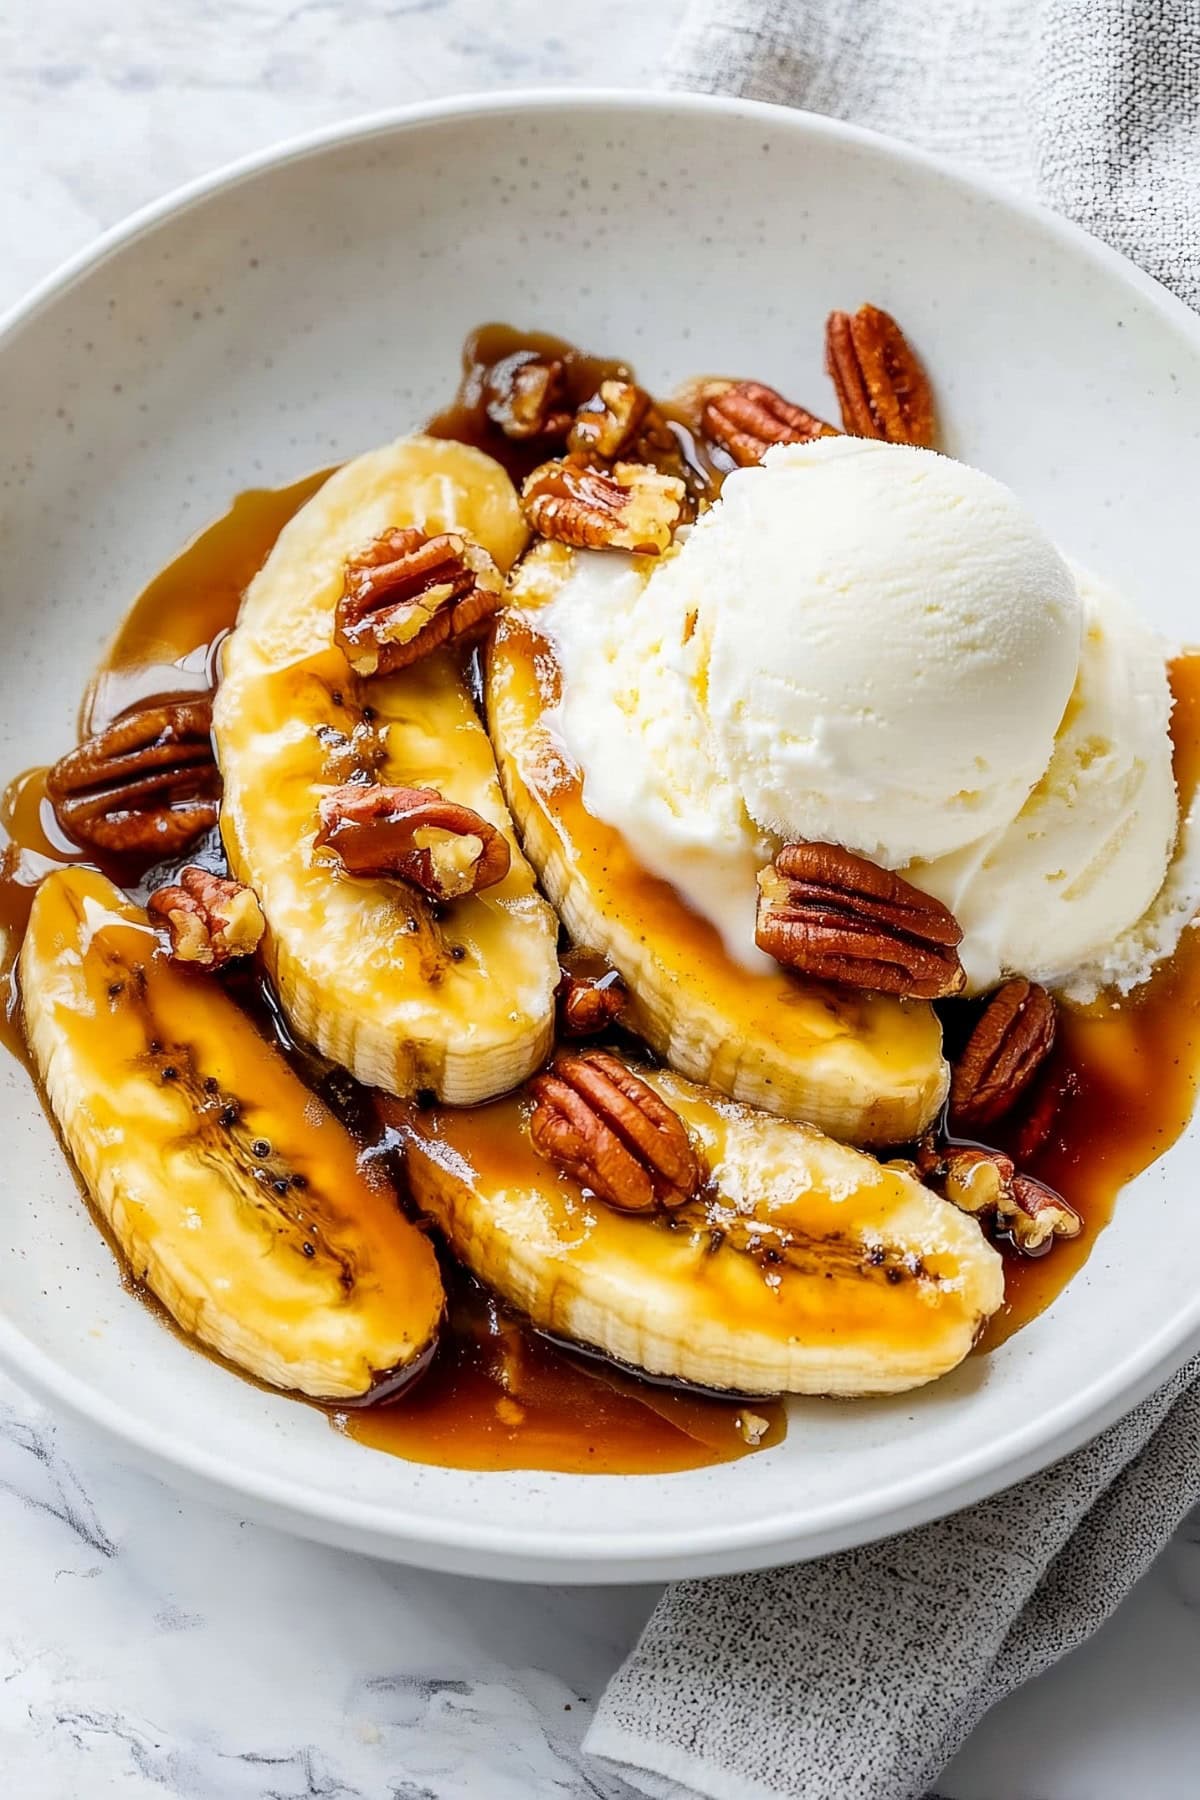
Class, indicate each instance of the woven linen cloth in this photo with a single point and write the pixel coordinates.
(856, 1677)
(1092, 105)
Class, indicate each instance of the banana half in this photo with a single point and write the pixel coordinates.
(806, 1267)
(864, 1067)
(235, 1196)
(456, 998)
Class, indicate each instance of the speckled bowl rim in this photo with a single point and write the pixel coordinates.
(507, 1551)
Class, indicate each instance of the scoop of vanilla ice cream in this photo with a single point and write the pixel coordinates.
(885, 644)
(874, 646)
(1052, 893)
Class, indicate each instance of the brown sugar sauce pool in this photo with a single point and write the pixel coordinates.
(498, 1394)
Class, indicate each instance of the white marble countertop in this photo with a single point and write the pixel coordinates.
(148, 1645)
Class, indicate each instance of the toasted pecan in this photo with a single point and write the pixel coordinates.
(405, 595)
(145, 786)
(525, 394)
(830, 914)
(589, 1003)
(881, 387)
(1035, 1215)
(603, 1125)
(607, 426)
(445, 849)
(746, 418)
(628, 507)
(988, 1185)
(1012, 1038)
(210, 920)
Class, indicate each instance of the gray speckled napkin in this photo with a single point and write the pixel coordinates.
(857, 1677)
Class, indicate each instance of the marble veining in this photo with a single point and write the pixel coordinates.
(150, 1645)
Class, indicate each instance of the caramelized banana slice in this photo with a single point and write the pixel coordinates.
(233, 1193)
(404, 991)
(801, 1267)
(865, 1067)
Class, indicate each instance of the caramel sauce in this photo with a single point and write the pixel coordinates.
(169, 640)
(466, 418)
(499, 1395)
(166, 645)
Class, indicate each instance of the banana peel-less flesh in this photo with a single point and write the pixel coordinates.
(235, 1196)
(804, 1267)
(456, 998)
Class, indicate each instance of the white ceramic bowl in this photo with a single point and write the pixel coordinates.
(311, 302)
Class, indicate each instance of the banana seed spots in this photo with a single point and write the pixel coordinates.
(776, 1250)
(263, 1180)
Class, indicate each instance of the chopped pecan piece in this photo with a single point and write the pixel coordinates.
(746, 418)
(526, 395)
(837, 917)
(590, 1003)
(147, 785)
(606, 1127)
(607, 426)
(976, 1180)
(630, 507)
(209, 920)
(406, 595)
(444, 849)
(1035, 1215)
(881, 387)
(1012, 1039)
(986, 1184)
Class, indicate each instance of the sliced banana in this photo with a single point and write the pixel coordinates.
(807, 1267)
(863, 1067)
(456, 998)
(235, 1196)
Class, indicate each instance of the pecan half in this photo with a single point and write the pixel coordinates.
(629, 507)
(588, 1004)
(406, 595)
(526, 395)
(605, 1126)
(746, 418)
(1012, 1038)
(147, 785)
(881, 387)
(444, 849)
(209, 920)
(837, 917)
(608, 425)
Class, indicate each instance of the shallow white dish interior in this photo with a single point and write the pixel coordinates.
(311, 304)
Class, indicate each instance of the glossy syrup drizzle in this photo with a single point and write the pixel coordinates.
(498, 1395)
